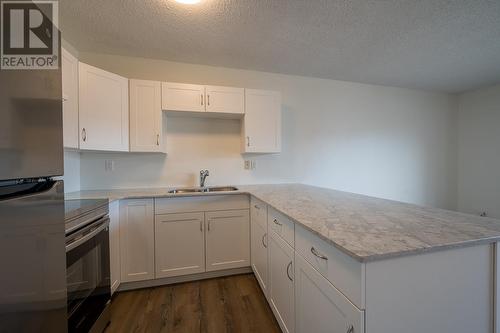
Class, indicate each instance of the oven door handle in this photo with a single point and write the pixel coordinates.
(80, 241)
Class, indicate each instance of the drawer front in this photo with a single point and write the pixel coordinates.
(345, 273)
(201, 203)
(281, 225)
(258, 212)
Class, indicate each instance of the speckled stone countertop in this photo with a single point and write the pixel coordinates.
(363, 227)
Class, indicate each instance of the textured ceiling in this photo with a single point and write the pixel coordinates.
(444, 45)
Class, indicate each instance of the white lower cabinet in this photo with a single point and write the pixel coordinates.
(281, 284)
(137, 257)
(114, 244)
(227, 239)
(259, 254)
(179, 244)
(320, 307)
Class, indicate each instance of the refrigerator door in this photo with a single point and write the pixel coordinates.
(31, 128)
(33, 258)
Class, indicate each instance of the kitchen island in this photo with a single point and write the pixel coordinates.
(360, 264)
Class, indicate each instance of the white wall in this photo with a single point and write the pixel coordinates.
(387, 142)
(479, 152)
(71, 171)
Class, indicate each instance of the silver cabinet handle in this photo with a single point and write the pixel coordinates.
(157, 139)
(264, 236)
(248, 141)
(257, 207)
(201, 99)
(84, 135)
(317, 254)
(288, 271)
(277, 223)
(350, 329)
(208, 100)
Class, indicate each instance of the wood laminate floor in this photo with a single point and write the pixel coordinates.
(220, 305)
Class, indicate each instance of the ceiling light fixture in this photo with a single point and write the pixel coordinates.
(188, 2)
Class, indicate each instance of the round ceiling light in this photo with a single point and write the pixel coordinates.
(188, 2)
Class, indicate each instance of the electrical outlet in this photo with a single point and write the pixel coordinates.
(109, 165)
(247, 164)
(253, 165)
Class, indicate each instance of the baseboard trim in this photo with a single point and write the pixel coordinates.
(185, 278)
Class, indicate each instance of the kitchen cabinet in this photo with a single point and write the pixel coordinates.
(227, 239)
(225, 99)
(114, 244)
(69, 69)
(179, 244)
(281, 282)
(103, 110)
(261, 126)
(259, 242)
(146, 133)
(198, 98)
(320, 307)
(137, 257)
(183, 97)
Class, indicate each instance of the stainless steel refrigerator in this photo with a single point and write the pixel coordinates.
(32, 235)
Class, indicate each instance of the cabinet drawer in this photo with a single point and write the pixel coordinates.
(258, 212)
(201, 203)
(345, 273)
(281, 225)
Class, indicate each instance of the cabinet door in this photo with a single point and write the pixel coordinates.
(281, 285)
(145, 116)
(103, 111)
(320, 307)
(259, 260)
(227, 239)
(136, 240)
(114, 244)
(261, 130)
(70, 99)
(225, 99)
(182, 97)
(179, 244)
(259, 241)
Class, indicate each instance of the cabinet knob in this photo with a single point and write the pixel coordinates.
(277, 223)
(84, 135)
(263, 243)
(208, 100)
(248, 141)
(201, 99)
(157, 139)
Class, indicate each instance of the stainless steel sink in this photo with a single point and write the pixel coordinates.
(221, 189)
(203, 189)
(186, 190)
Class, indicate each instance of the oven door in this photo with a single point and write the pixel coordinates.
(87, 275)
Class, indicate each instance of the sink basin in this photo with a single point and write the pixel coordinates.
(221, 189)
(202, 190)
(186, 190)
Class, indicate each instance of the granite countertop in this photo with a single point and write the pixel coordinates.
(365, 228)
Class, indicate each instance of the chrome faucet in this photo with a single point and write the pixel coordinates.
(203, 176)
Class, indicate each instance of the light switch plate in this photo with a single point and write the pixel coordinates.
(109, 165)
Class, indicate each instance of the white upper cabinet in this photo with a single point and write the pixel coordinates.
(199, 98)
(225, 99)
(261, 128)
(103, 111)
(183, 97)
(145, 116)
(70, 99)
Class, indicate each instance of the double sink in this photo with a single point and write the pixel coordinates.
(203, 189)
